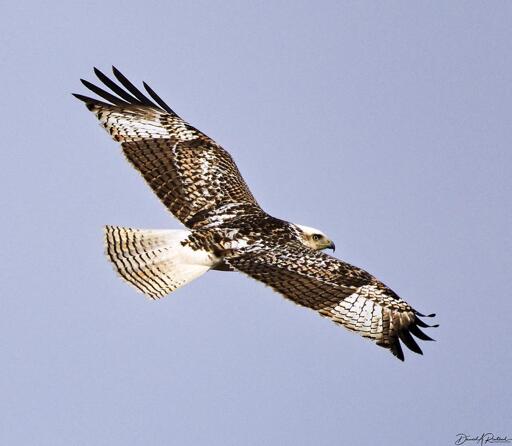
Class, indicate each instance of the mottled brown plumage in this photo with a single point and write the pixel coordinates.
(200, 184)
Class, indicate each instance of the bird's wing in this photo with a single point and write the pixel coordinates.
(194, 177)
(347, 295)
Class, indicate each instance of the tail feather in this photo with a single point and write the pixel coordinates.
(155, 261)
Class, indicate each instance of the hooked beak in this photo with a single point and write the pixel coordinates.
(332, 246)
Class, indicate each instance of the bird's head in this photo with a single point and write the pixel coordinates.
(314, 238)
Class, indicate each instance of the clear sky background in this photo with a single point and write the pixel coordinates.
(385, 124)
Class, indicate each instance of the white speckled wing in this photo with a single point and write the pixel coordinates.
(347, 295)
(193, 176)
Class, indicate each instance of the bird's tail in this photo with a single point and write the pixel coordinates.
(156, 262)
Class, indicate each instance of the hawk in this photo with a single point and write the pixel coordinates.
(198, 181)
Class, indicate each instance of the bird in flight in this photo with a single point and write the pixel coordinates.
(198, 181)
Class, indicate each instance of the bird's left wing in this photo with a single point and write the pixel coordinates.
(194, 177)
(347, 295)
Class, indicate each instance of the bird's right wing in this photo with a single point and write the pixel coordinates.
(194, 177)
(347, 295)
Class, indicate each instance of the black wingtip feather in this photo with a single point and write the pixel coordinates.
(132, 88)
(115, 88)
(90, 102)
(158, 99)
(415, 330)
(423, 324)
(103, 94)
(396, 349)
(425, 315)
(81, 97)
(409, 341)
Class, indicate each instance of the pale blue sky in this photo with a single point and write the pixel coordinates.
(385, 124)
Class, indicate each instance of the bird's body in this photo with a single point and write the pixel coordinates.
(226, 228)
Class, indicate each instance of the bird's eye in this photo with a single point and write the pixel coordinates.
(316, 237)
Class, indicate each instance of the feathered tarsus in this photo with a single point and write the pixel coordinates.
(200, 184)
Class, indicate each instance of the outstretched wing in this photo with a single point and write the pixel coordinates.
(194, 177)
(347, 295)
